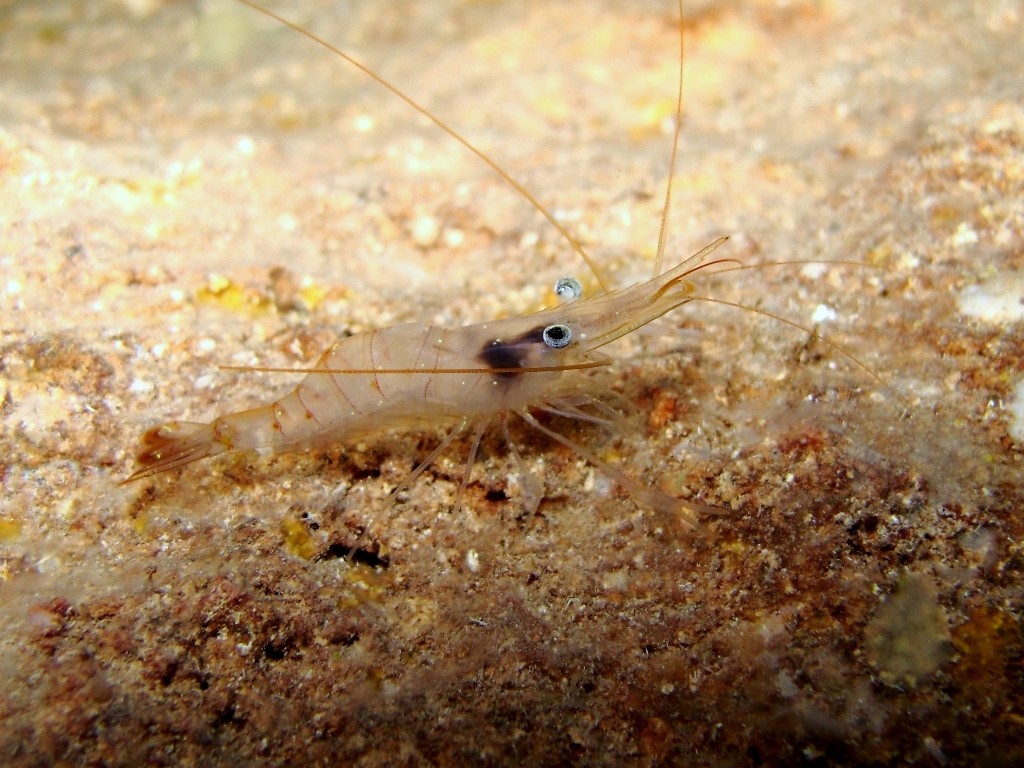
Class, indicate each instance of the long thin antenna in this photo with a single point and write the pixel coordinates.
(810, 332)
(505, 175)
(667, 207)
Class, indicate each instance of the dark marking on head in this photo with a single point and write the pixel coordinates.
(511, 353)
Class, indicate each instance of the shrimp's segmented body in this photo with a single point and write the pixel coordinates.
(412, 375)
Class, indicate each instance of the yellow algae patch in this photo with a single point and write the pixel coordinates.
(139, 521)
(650, 115)
(312, 295)
(366, 585)
(225, 293)
(297, 539)
(10, 529)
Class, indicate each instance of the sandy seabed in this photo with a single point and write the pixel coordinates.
(188, 185)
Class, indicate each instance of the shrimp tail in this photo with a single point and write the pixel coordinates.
(177, 443)
(174, 444)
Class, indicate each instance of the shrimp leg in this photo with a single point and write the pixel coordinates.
(648, 497)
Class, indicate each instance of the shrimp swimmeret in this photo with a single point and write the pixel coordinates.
(418, 376)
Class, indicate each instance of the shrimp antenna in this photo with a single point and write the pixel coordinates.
(809, 331)
(666, 209)
(505, 175)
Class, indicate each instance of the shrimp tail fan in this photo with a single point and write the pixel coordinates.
(173, 445)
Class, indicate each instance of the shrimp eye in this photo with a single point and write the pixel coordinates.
(557, 336)
(568, 288)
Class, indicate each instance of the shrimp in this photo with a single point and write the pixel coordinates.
(414, 376)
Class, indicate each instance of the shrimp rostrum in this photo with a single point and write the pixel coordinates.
(412, 375)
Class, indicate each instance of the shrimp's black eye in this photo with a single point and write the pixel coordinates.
(557, 336)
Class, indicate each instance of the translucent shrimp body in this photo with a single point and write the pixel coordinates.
(411, 375)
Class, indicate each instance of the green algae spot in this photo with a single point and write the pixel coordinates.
(908, 638)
